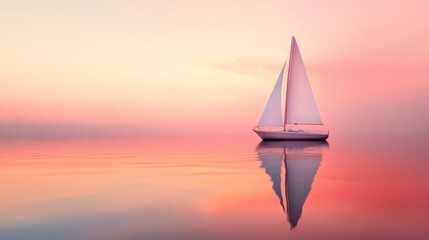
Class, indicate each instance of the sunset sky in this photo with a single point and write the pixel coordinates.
(193, 67)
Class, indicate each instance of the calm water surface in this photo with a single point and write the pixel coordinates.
(370, 187)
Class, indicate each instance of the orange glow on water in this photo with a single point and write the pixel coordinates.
(213, 186)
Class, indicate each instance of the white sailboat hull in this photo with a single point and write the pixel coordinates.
(291, 135)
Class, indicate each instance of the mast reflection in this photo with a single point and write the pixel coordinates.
(301, 161)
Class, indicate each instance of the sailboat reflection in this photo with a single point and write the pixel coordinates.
(302, 160)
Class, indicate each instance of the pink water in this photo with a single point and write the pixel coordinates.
(367, 187)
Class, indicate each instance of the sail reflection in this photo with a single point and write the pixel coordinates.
(301, 161)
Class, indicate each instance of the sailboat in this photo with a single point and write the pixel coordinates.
(300, 161)
(302, 119)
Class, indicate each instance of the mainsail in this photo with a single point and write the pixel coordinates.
(272, 115)
(300, 104)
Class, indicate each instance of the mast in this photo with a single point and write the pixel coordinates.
(288, 80)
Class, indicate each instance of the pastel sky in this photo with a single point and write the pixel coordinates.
(191, 67)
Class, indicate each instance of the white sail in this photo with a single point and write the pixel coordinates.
(272, 115)
(300, 103)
